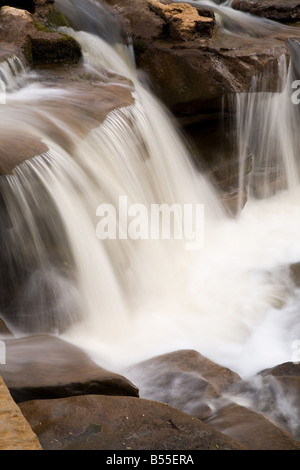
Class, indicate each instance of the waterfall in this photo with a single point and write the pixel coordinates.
(127, 299)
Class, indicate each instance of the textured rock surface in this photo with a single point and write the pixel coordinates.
(119, 423)
(15, 432)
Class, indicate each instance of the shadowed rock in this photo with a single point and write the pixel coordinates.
(46, 367)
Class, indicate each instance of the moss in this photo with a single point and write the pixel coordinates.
(59, 49)
(56, 19)
(27, 51)
(41, 27)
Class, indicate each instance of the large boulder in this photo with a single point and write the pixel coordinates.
(97, 422)
(287, 11)
(184, 379)
(15, 432)
(43, 366)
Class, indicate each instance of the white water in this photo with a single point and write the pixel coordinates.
(232, 301)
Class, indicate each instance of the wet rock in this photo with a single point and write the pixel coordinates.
(85, 105)
(119, 423)
(4, 330)
(295, 273)
(184, 379)
(287, 11)
(16, 433)
(191, 76)
(252, 429)
(44, 366)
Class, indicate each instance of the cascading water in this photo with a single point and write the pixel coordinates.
(126, 300)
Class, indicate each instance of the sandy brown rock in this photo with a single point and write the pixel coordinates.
(183, 21)
(15, 432)
(119, 423)
(44, 366)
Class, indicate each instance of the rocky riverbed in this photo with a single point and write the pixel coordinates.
(53, 396)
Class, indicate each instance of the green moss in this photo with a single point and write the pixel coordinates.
(62, 49)
(28, 52)
(41, 27)
(56, 19)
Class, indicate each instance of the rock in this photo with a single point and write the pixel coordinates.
(21, 33)
(287, 11)
(87, 102)
(192, 76)
(286, 369)
(252, 429)
(16, 433)
(295, 273)
(285, 381)
(183, 21)
(97, 422)
(215, 153)
(44, 366)
(184, 379)
(4, 330)
(28, 5)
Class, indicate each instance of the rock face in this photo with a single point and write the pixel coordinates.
(119, 423)
(21, 33)
(193, 66)
(15, 432)
(287, 11)
(47, 367)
